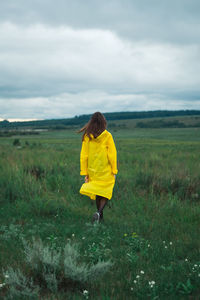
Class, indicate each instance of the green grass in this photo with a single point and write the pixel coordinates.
(151, 224)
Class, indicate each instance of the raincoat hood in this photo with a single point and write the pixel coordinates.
(99, 137)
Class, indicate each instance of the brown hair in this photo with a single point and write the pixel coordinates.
(95, 126)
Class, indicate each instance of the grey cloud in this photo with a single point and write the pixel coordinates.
(172, 20)
(68, 105)
(60, 57)
(42, 61)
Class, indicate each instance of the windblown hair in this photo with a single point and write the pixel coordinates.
(95, 126)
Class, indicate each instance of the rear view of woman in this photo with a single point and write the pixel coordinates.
(98, 162)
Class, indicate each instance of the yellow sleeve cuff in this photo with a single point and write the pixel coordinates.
(83, 173)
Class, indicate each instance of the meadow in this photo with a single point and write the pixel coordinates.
(148, 246)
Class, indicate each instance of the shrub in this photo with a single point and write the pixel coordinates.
(16, 142)
(20, 287)
(81, 272)
(51, 269)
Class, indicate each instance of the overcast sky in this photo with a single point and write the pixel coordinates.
(64, 58)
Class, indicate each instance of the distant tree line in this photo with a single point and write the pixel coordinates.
(161, 124)
(82, 119)
(9, 133)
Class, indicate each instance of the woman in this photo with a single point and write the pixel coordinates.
(98, 162)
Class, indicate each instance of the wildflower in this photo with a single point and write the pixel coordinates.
(151, 283)
(83, 238)
(73, 234)
(134, 235)
(195, 266)
(125, 234)
(186, 259)
(131, 288)
(165, 247)
(170, 243)
(163, 242)
(135, 281)
(149, 245)
(198, 275)
(138, 276)
(85, 293)
(6, 276)
(2, 285)
(142, 272)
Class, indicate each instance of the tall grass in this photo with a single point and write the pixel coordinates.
(151, 229)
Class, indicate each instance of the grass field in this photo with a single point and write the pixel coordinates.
(149, 240)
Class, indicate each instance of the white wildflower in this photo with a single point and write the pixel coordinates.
(170, 243)
(73, 234)
(83, 238)
(131, 288)
(186, 259)
(151, 283)
(2, 284)
(6, 276)
(195, 266)
(149, 245)
(142, 272)
(165, 247)
(163, 242)
(138, 276)
(85, 292)
(135, 281)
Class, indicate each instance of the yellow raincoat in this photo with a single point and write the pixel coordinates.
(98, 160)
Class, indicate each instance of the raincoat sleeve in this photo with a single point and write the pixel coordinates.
(84, 157)
(112, 154)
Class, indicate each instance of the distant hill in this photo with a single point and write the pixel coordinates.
(79, 121)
